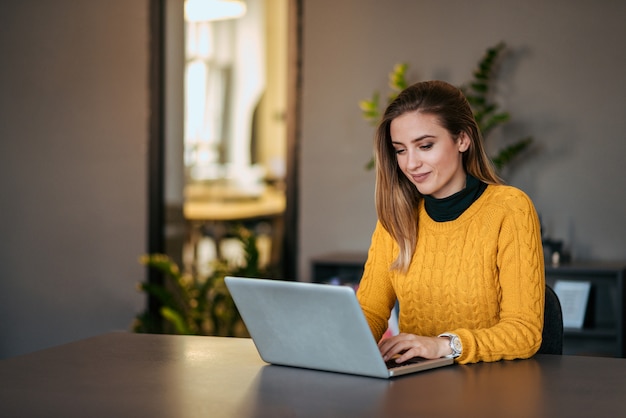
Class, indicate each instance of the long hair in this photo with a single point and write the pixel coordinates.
(397, 198)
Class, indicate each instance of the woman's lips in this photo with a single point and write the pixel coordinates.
(418, 178)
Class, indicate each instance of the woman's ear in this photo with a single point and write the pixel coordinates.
(463, 142)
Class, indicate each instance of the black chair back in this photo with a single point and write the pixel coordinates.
(552, 325)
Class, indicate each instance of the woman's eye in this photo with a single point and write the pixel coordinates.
(399, 151)
(426, 146)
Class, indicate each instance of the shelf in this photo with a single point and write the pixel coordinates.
(604, 327)
(590, 333)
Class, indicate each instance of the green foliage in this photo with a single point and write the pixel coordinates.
(508, 153)
(370, 107)
(397, 83)
(193, 305)
(478, 92)
(370, 110)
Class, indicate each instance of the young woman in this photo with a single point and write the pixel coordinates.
(458, 249)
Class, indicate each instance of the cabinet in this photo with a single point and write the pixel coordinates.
(604, 327)
(338, 268)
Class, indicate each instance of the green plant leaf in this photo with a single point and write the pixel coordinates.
(163, 295)
(370, 107)
(177, 320)
(507, 154)
(495, 120)
(397, 78)
(162, 263)
(480, 87)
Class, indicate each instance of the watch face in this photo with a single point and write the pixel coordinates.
(456, 344)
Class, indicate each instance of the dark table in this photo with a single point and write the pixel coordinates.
(140, 375)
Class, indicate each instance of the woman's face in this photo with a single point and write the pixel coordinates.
(428, 154)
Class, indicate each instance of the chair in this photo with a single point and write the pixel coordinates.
(552, 342)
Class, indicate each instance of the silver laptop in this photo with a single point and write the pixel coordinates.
(314, 326)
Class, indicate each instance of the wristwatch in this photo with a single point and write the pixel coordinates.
(455, 344)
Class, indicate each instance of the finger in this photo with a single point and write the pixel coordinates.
(388, 343)
(396, 346)
(406, 355)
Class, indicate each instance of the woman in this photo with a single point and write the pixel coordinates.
(460, 251)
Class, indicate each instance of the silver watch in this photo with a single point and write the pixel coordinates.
(455, 344)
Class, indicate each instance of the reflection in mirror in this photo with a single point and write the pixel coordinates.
(235, 134)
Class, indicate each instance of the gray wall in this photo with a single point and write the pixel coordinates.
(563, 84)
(73, 168)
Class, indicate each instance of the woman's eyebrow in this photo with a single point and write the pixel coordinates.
(419, 138)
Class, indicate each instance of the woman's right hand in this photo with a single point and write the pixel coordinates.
(407, 346)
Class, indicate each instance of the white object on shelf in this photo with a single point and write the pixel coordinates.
(573, 296)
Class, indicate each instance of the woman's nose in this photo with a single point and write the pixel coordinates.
(414, 160)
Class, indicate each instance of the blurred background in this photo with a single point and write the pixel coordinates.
(103, 159)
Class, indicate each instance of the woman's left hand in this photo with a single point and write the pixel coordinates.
(408, 346)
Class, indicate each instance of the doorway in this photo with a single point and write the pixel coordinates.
(229, 121)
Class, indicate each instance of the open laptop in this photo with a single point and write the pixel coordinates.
(314, 326)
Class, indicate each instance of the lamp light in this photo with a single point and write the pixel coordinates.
(207, 10)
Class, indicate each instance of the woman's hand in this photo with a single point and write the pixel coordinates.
(408, 346)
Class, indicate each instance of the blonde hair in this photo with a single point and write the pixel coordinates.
(397, 199)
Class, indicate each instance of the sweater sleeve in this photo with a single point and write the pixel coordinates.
(521, 278)
(375, 293)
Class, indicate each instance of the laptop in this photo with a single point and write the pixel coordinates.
(314, 326)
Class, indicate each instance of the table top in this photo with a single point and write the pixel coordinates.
(127, 375)
(270, 203)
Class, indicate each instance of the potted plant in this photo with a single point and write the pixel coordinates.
(195, 305)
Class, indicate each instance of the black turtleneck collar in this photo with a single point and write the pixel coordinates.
(451, 207)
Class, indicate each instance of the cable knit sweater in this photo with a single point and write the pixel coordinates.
(480, 276)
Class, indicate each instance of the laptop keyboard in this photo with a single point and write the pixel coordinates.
(391, 364)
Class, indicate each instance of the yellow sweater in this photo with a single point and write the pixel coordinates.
(480, 276)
